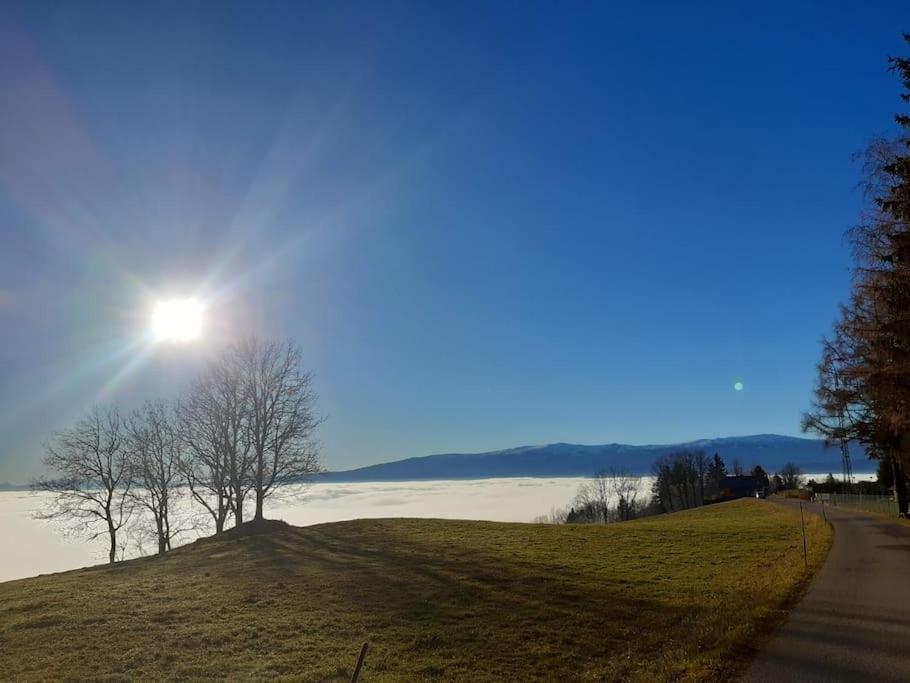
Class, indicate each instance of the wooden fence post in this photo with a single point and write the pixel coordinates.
(802, 520)
(363, 653)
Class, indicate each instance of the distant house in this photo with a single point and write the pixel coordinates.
(743, 486)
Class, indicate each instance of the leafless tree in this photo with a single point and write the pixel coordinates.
(203, 460)
(232, 408)
(555, 516)
(91, 477)
(625, 489)
(248, 426)
(791, 476)
(593, 498)
(153, 445)
(280, 416)
(609, 495)
(680, 480)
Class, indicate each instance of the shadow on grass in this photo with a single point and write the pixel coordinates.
(435, 599)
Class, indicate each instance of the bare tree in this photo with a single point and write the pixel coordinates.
(593, 498)
(280, 417)
(154, 455)
(680, 480)
(214, 424)
(625, 488)
(555, 516)
(791, 476)
(232, 408)
(91, 478)
(203, 461)
(607, 496)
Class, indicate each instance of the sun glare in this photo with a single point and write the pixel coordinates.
(178, 320)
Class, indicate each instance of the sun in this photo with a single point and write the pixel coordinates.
(177, 320)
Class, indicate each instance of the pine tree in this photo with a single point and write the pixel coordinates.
(717, 470)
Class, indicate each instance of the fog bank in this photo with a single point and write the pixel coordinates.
(29, 547)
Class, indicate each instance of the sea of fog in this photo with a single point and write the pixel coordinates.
(29, 546)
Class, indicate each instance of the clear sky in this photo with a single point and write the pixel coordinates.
(486, 224)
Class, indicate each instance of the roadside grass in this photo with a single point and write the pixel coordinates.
(869, 511)
(795, 494)
(681, 596)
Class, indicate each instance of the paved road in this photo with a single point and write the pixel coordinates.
(854, 622)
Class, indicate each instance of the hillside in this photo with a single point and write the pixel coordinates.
(574, 460)
(676, 596)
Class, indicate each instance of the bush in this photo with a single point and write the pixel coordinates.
(798, 494)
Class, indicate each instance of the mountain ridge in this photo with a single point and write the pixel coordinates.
(564, 459)
(568, 459)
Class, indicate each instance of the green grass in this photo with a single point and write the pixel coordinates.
(671, 597)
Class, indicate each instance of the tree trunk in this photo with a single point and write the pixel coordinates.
(238, 508)
(162, 538)
(259, 505)
(112, 555)
(166, 521)
(222, 514)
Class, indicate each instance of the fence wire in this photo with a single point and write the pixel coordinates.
(884, 505)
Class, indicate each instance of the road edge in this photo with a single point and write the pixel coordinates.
(744, 656)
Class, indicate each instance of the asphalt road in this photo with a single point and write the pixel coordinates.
(854, 622)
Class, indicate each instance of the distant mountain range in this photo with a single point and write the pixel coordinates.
(770, 451)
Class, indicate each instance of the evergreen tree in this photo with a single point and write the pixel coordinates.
(717, 470)
(759, 473)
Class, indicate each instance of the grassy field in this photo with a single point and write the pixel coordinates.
(666, 598)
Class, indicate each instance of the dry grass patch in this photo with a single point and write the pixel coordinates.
(666, 598)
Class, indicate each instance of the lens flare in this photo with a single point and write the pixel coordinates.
(738, 386)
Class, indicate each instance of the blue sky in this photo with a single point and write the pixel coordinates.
(487, 224)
